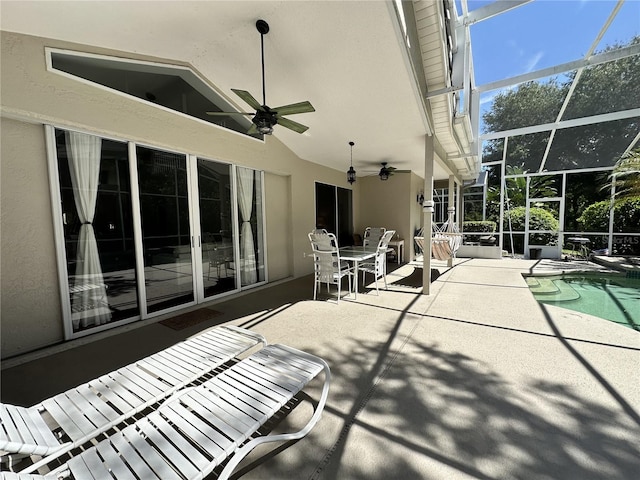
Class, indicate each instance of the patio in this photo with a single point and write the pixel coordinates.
(476, 380)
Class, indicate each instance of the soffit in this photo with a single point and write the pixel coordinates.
(432, 38)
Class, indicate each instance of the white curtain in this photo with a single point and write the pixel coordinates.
(88, 293)
(248, 273)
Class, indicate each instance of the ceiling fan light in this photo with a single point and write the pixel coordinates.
(351, 175)
(263, 123)
(384, 174)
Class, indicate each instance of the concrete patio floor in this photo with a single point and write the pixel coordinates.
(475, 381)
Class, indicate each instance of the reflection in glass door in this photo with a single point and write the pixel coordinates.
(166, 233)
(216, 227)
(95, 199)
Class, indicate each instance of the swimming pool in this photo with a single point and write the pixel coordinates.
(609, 296)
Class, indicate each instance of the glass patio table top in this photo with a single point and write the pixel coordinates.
(356, 254)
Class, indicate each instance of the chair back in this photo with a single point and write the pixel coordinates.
(323, 240)
(372, 235)
(383, 245)
(326, 255)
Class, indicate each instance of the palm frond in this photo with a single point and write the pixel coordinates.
(625, 176)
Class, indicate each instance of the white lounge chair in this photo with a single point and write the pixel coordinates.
(82, 413)
(198, 428)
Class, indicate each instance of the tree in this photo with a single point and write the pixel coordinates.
(530, 103)
(626, 216)
(602, 88)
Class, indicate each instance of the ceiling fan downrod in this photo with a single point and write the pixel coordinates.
(263, 29)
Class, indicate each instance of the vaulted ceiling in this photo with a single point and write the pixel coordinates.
(348, 58)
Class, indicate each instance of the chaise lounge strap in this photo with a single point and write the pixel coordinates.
(92, 408)
(200, 427)
(24, 430)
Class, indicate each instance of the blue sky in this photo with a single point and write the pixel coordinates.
(541, 34)
(544, 33)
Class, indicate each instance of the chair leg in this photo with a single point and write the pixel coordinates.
(315, 287)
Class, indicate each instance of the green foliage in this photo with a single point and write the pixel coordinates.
(602, 88)
(595, 218)
(539, 186)
(531, 103)
(486, 226)
(626, 175)
(539, 219)
(480, 227)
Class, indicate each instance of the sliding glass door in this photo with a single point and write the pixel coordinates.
(334, 211)
(216, 227)
(147, 231)
(166, 232)
(97, 226)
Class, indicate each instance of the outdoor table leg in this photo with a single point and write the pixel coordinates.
(355, 279)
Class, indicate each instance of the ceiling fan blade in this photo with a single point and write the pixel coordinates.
(292, 109)
(391, 169)
(290, 124)
(230, 113)
(253, 129)
(247, 97)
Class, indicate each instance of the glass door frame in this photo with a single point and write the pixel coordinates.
(197, 265)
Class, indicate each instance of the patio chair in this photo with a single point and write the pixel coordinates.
(378, 266)
(372, 235)
(328, 268)
(198, 428)
(83, 412)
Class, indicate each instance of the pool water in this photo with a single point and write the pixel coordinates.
(609, 296)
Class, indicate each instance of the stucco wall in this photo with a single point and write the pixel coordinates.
(30, 300)
(32, 97)
(278, 221)
(384, 204)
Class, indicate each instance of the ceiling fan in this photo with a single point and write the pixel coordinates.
(265, 118)
(386, 172)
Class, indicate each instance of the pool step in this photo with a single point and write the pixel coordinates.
(551, 289)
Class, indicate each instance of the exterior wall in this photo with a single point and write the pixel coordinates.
(278, 230)
(384, 204)
(32, 97)
(31, 313)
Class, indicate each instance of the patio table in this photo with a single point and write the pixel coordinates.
(356, 254)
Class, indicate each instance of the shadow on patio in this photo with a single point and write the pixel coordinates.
(473, 381)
